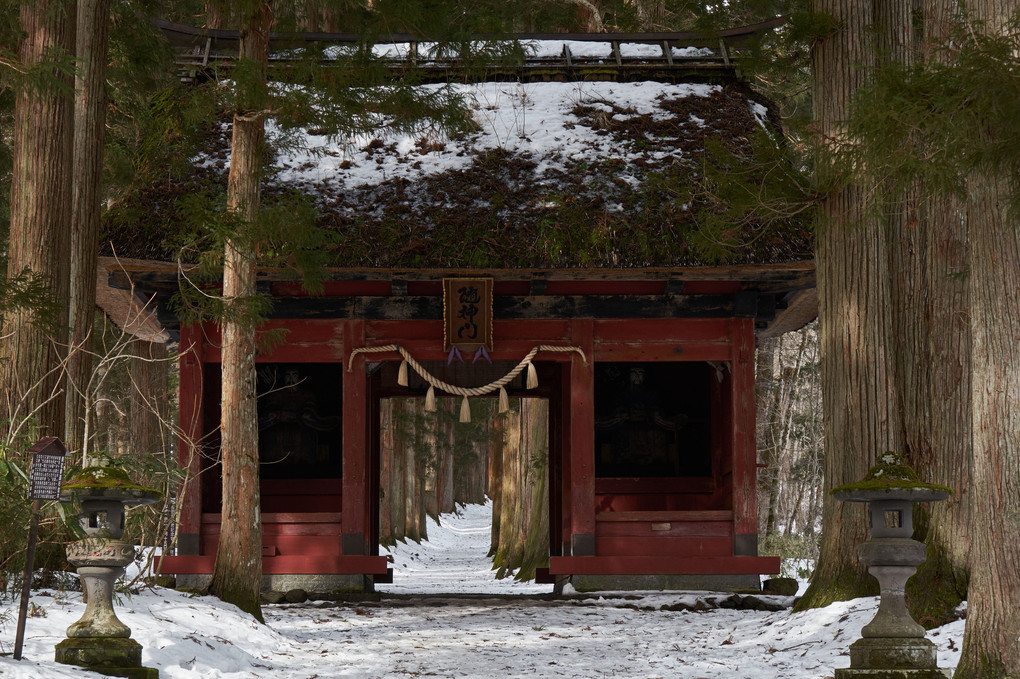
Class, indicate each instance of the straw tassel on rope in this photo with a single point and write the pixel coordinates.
(504, 401)
(402, 373)
(430, 400)
(465, 410)
(532, 376)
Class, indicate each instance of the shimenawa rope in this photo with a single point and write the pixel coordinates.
(436, 383)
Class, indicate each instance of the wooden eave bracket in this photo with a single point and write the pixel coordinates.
(133, 313)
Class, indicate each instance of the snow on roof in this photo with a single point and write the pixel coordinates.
(589, 49)
(575, 174)
(540, 121)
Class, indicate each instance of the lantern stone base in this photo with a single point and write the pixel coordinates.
(892, 658)
(113, 656)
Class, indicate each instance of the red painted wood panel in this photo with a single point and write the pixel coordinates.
(355, 443)
(307, 341)
(664, 546)
(503, 330)
(664, 329)
(651, 565)
(190, 414)
(694, 516)
(582, 432)
(276, 529)
(279, 565)
(658, 351)
(676, 529)
(658, 502)
(211, 519)
(301, 545)
(538, 331)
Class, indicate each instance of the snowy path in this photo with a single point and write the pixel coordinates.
(480, 636)
(453, 559)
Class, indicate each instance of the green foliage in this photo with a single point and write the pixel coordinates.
(763, 196)
(29, 291)
(153, 122)
(798, 552)
(284, 235)
(935, 123)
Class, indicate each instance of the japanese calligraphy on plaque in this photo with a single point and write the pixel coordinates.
(47, 469)
(467, 313)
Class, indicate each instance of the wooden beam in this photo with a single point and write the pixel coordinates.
(282, 565)
(513, 307)
(655, 565)
(164, 276)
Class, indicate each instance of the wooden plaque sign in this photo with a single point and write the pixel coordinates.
(467, 313)
(47, 469)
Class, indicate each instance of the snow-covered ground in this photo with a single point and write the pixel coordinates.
(486, 634)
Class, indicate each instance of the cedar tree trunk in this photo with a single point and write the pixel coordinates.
(30, 353)
(991, 643)
(237, 575)
(87, 172)
(859, 413)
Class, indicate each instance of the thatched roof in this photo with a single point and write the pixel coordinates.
(582, 174)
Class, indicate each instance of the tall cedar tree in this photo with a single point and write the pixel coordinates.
(237, 575)
(93, 30)
(933, 361)
(40, 225)
(860, 417)
(991, 642)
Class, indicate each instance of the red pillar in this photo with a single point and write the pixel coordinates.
(745, 458)
(354, 527)
(189, 455)
(581, 428)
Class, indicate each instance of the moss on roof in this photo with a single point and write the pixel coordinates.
(503, 211)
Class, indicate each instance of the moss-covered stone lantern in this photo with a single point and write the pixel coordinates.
(99, 641)
(893, 645)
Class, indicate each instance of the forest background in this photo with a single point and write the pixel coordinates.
(902, 137)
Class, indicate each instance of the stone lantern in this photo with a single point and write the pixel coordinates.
(99, 641)
(893, 645)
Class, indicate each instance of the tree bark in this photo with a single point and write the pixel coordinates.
(40, 225)
(860, 414)
(535, 455)
(991, 642)
(237, 575)
(386, 472)
(87, 171)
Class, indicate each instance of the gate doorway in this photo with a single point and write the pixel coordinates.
(463, 505)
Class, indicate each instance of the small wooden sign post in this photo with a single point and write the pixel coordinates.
(44, 484)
